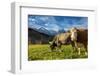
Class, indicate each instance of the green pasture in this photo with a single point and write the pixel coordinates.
(43, 52)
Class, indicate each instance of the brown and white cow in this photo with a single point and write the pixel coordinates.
(79, 36)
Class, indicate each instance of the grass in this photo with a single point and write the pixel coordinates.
(43, 52)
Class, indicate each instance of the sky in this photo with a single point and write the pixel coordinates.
(57, 22)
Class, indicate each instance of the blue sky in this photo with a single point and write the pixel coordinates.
(57, 22)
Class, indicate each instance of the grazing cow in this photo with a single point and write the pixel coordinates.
(73, 37)
(60, 39)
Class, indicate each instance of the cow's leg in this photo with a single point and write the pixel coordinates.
(79, 51)
(52, 48)
(74, 45)
(74, 48)
(59, 47)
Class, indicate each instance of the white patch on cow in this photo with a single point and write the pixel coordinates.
(73, 34)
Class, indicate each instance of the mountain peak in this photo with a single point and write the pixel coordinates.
(49, 32)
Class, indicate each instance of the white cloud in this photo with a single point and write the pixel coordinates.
(44, 18)
(46, 24)
(53, 27)
(32, 19)
(81, 26)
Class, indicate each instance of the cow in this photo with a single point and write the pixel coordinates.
(79, 36)
(74, 37)
(60, 39)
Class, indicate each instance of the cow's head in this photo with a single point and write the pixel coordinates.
(52, 45)
(71, 35)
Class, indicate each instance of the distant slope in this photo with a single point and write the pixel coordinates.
(50, 32)
(36, 37)
(43, 30)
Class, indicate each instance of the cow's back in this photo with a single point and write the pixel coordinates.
(82, 36)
